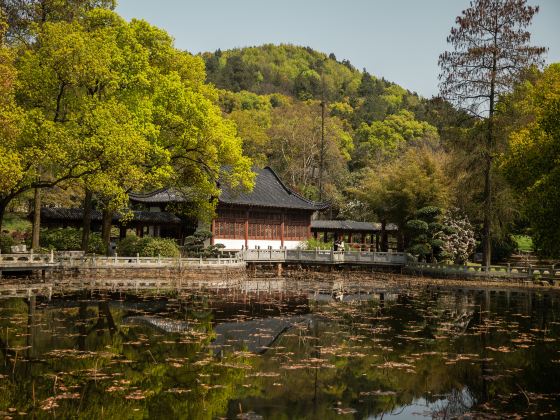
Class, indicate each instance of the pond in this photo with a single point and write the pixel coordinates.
(281, 349)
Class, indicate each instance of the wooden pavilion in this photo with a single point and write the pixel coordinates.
(142, 222)
(365, 236)
(270, 216)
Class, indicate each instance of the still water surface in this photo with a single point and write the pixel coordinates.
(294, 350)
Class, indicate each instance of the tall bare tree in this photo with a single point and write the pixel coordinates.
(491, 47)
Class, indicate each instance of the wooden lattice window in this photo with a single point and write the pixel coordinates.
(229, 229)
(295, 232)
(258, 230)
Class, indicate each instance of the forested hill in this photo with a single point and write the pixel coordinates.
(304, 74)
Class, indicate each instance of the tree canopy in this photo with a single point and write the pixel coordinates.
(114, 105)
(532, 161)
(491, 48)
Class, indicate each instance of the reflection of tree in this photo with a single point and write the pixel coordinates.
(456, 404)
(86, 348)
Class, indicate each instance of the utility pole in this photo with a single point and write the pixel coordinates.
(322, 151)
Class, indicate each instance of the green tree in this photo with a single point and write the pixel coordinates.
(11, 164)
(395, 191)
(422, 233)
(490, 49)
(383, 140)
(295, 135)
(116, 105)
(24, 15)
(252, 127)
(76, 79)
(532, 161)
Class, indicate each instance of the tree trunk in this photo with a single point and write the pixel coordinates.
(486, 230)
(384, 238)
(35, 236)
(86, 224)
(3, 205)
(400, 241)
(106, 230)
(487, 226)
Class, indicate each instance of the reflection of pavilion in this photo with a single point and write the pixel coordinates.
(252, 322)
(341, 296)
(256, 335)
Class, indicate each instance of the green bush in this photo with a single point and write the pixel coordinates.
(6, 241)
(312, 244)
(152, 247)
(195, 246)
(503, 248)
(147, 247)
(128, 247)
(70, 239)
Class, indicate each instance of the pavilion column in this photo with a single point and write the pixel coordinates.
(349, 237)
(376, 241)
(384, 237)
(282, 232)
(122, 232)
(247, 229)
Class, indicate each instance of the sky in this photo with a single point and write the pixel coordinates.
(399, 40)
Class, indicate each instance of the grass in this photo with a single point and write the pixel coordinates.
(15, 222)
(524, 242)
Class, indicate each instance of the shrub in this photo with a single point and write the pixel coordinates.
(312, 244)
(128, 247)
(152, 247)
(194, 245)
(502, 248)
(70, 239)
(147, 247)
(6, 242)
(422, 232)
(456, 237)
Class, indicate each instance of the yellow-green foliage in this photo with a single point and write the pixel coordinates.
(400, 188)
(70, 239)
(532, 161)
(279, 68)
(115, 106)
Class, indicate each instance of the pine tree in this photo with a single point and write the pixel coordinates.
(491, 47)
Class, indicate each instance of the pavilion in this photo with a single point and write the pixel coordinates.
(364, 236)
(270, 216)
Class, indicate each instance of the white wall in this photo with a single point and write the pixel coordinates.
(264, 244)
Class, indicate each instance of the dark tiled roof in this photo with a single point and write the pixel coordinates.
(159, 196)
(156, 217)
(76, 215)
(350, 225)
(269, 191)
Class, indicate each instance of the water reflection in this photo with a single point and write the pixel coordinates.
(275, 349)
